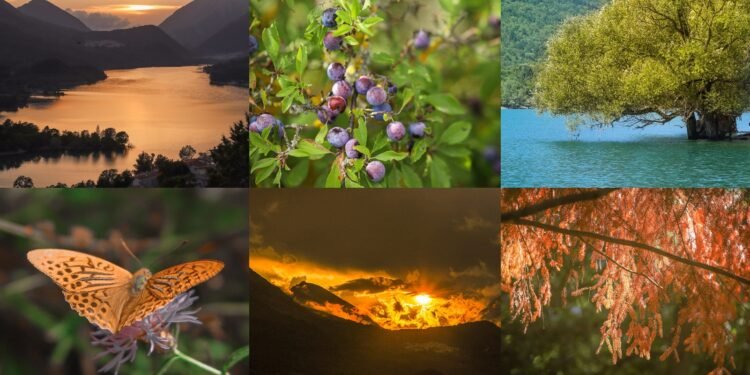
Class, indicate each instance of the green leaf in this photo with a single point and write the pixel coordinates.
(382, 58)
(264, 163)
(380, 142)
(411, 178)
(264, 173)
(418, 150)
(308, 148)
(407, 95)
(297, 175)
(321, 136)
(351, 184)
(301, 59)
(272, 41)
(446, 103)
(454, 151)
(343, 29)
(439, 173)
(286, 91)
(350, 40)
(261, 144)
(286, 103)
(236, 357)
(364, 150)
(360, 133)
(334, 175)
(393, 178)
(456, 133)
(391, 155)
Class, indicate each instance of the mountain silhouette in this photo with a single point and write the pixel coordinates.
(46, 11)
(305, 292)
(199, 20)
(231, 41)
(288, 338)
(26, 40)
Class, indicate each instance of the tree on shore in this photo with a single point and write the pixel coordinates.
(23, 182)
(652, 61)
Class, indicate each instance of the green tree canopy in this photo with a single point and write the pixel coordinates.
(651, 61)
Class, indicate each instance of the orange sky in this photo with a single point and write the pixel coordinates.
(137, 12)
(394, 308)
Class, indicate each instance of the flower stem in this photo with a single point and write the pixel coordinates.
(196, 362)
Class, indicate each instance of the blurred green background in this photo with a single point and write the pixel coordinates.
(565, 340)
(40, 334)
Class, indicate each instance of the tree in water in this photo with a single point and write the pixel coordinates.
(636, 254)
(649, 62)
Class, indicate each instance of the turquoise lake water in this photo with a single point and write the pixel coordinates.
(539, 151)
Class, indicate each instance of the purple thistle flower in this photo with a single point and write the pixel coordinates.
(153, 329)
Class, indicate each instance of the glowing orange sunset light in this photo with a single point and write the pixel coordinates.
(423, 299)
(138, 8)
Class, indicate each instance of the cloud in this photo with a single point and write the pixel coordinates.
(369, 285)
(100, 21)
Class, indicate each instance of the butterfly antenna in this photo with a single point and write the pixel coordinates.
(124, 245)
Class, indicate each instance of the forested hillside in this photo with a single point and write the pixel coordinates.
(526, 27)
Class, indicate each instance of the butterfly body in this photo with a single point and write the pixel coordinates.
(110, 296)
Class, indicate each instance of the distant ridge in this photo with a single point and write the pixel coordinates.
(26, 40)
(199, 20)
(46, 11)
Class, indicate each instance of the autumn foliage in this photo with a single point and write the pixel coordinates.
(632, 252)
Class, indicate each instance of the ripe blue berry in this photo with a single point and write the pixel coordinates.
(363, 84)
(380, 110)
(395, 131)
(351, 153)
(329, 18)
(376, 96)
(417, 129)
(392, 89)
(342, 89)
(375, 170)
(421, 40)
(337, 137)
(336, 71)
(332, 43)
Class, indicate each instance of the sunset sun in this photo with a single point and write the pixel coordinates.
(423, 299)
(139, 8)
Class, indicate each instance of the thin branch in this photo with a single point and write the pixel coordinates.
(609, 258)
(552, 203)
(634, 244)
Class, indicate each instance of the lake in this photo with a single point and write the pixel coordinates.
(539, 151)
(162, 109)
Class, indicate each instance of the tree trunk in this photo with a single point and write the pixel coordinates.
(711, 125)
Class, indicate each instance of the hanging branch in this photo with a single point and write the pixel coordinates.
(554, 202)
(634, 244)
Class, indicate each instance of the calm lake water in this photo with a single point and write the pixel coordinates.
(162, 109)
(539, 151)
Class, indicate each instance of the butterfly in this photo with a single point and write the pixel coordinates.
(110, 296)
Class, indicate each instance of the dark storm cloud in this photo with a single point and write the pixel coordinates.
(435, 231)
(369, 285)
(100, 21)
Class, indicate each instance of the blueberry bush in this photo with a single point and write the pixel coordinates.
(374, 93)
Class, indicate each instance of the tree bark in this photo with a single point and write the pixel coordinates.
(711, 125)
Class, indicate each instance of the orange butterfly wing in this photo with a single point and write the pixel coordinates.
(95, 288)
(163, 286)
